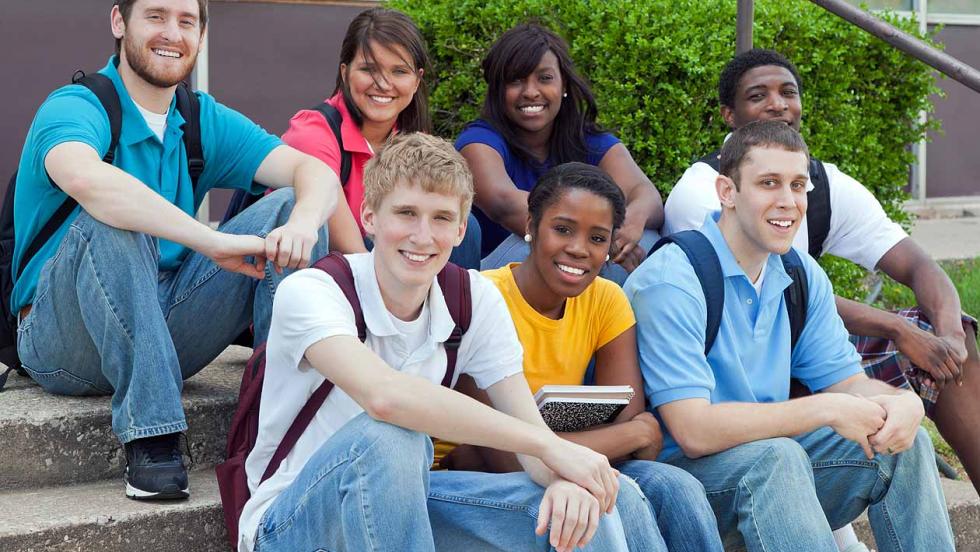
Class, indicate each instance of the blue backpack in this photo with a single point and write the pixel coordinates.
(706, 265)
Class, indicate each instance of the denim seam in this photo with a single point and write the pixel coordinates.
(891, 528)
(365, 503)
(99, 277)
(483, 502)
(200, 281)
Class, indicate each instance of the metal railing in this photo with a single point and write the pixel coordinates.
(938, 60)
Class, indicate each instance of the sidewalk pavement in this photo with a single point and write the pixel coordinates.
(949, 238)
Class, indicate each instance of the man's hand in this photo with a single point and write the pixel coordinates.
(291, 245)
(572, 512)
(933, 354)
(855, 418)
(626, 250)
(655, 437)
(232, 252)
(904, 412)
(586, 468)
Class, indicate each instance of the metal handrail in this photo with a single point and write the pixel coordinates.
(926, 53)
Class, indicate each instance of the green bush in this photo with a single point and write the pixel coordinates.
(654, 66)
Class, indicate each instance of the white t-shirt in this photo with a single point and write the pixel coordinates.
(309, 307)
(156, 121)
(859, 228)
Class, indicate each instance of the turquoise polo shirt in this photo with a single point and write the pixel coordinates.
(751, 360)
(233, 146)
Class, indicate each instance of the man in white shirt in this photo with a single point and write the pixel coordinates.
(928, 349)
(358, 477)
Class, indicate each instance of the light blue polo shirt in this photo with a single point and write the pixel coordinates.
(751, 359)
(233, 146)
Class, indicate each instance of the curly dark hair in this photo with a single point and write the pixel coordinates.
(746, 61)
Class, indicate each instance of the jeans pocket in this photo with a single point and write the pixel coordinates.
(62, 382)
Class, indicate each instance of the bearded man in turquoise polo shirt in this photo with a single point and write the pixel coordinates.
(780, 474)
(131, 295)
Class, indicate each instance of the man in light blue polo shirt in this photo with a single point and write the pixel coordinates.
(779, 473)
(128, 297)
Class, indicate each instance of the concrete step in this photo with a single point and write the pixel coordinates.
(52, 440)
(98, 516)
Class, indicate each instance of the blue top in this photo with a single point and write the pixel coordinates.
(233, 146)
(751, 359)
(524, 175)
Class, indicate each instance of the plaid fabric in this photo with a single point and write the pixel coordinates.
(882, 360)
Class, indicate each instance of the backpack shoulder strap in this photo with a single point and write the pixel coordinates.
(105, 91)
(335, 121)
(455, 284)
(706, 265)
(336, 265)
(189, 107)
(818, 209)
(713, 160)
(796, 295)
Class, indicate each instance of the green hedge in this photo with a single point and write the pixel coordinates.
(654, 66)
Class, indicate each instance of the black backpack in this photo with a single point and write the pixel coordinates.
(105, 91)
(243, 199)
(818, 200)
(706, 265)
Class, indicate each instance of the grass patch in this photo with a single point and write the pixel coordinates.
(965, 275)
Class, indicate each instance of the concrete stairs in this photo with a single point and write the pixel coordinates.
(61, 469)
(61, 486)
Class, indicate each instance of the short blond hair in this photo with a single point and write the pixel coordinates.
(423, 160)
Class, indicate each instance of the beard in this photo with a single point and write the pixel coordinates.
(139, 56)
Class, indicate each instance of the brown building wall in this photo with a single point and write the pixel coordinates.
(953, 158)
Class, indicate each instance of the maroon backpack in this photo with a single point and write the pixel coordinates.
(232, 480)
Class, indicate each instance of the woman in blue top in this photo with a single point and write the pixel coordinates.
(538, 112)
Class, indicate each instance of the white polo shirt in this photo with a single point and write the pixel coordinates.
(309, 307)
(860, 231)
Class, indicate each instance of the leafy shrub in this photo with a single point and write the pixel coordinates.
(654, 67)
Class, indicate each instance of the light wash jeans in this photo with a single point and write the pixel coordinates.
(106, 321)
(678, 503)
(514, 250)
(369, 488)
(787, 494)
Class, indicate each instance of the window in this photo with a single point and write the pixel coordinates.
(897, 5)
(971, 7)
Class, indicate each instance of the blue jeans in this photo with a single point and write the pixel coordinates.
(678, 503)
(369, 488)
(467, 253)
(514, 250)
(106, 321)
(787, 494)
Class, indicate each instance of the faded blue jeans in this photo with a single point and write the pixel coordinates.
(514, 250)
(787, 494)
(106, 321)
(678, 503)
(369, 488)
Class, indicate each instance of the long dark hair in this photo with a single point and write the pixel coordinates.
(514, 56)
(388, 28)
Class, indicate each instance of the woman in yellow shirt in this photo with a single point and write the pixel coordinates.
(565, 315)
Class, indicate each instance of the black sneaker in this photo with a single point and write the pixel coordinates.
(155, 468)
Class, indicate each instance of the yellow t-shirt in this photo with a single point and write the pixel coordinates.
(557, 352)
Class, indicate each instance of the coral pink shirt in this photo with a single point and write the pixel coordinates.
(310, 133)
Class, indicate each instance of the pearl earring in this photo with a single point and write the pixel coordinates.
(564, 94)
(527, 238)
(607, 258)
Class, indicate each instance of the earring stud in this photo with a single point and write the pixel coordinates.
(527, 238)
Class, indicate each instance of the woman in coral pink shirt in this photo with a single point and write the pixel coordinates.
(379, 91)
